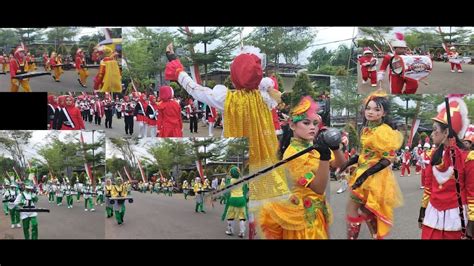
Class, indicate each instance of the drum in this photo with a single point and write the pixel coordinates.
(410, 66)
(460, 60)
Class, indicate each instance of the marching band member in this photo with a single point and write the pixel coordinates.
(81, 68)
(18, 65)
(119, 190)
(236, 206)
(368, 64)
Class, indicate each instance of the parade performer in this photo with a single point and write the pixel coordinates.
(46, 64)
(69, 191)
(140, 114)
(28, 198)
(374, 189)
(127, 110)
(306, 213)
(192, 116)
(368, 65)
(236, 206)
(109, 78)
(152, 115)
(198, 192)
(425, 161)
(246, 114)
(397, 81)
(185, 189)
(55, 62)
(52, 105)
(418, 153)
(81, 68)
(88, 192)
(453, 54)
(119, 190)
(170, 124)
(406, 160)
(18, 65)
(99, 190)
(108, 193)
(9, 197)
(71, 116)
(452, 168)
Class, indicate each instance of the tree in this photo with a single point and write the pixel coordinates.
(125, 148)
(14, 143)
(406, 111)
(6, 165)
(222, 39)
(377, 34)
(29, 35)
(319, 57)
(277, 42)
(345, 100)
(8, 39)
(301, 88)
(238, 147)
(58, 35)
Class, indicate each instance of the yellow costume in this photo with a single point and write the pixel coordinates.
(380, 193)
(306, 214)
(109, 78)
(119, 191)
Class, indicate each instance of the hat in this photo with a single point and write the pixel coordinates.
(29, 184)
(469, 136)
(367, 50)
(234, 172)
(166, 93)
(246, 69)
(459, 118)
(452, 48)
(399, 41)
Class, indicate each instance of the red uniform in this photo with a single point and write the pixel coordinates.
(419, 153)
(406, 156)
(140, 109)
(454, 54)
(212, 115)
(72, 119)
(99, 108)
(368, 68)
(426, 163)
(397, 81)
(441, 220)
(171, 124)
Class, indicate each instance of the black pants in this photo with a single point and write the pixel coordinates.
(89, 116)
(128, 124)
(108, 119)
(193, 124)
(97, 119)
(119, 115)
(84, 115)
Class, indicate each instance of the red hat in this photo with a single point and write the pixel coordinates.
(17, 52)
(62, 100)
(459, 119)
(51, 99)
(246, 69)
(166, 93)
(152, 98)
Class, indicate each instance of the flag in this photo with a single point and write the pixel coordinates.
(86, 165)
(414, 128)
(128, 175)
(141, 171)
(199, 168)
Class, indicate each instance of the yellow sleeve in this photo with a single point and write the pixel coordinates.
(114, 192)
(385, 141)
(301, 168)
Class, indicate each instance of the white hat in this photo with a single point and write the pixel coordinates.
(452, 48)
(399, 41)
(426, 145)
(367, 50)
(407, 148)
(419, 145)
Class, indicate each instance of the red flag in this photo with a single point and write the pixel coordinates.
(86, 165)
(199, 168)
(414, 128)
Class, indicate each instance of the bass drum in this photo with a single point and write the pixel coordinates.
(410, 66)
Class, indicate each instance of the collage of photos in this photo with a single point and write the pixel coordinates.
(241, 133)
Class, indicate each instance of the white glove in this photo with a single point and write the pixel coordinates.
(380, 76)
(134, 118)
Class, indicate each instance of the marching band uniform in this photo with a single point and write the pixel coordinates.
(28, 198)
(71, 116)
(192, 116)
(397, 81)
(406, 159)
(108, 193)
(425, 162)
(98, 111)
(81, 68)
(119, 208)
(52, 105)
(439, 212)
(368, 65)
(198, 192)
(185, 189)
(108, 106)
(88, 191)
(452, 54)
(140, 113)
(18, 65)
(10, 195)
(99, 190)
(236, 206)
(127, 110)
(152, 115)
(55, 60)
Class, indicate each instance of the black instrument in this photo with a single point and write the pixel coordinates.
(120, 200)
(32, 74)
(33, 209)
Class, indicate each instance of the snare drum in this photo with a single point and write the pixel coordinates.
(410, 66)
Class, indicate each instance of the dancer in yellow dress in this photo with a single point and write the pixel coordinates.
(374, 188)
(306, 213)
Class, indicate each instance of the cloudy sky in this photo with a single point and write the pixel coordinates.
(39, 138)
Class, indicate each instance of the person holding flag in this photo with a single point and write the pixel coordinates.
(447, 206)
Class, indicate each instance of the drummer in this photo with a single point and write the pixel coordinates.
(119, 190)
(453, 54)
(397, 81)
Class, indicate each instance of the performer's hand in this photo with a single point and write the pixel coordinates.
(380, 76)
(169, 48)
(421, 217)
(173, 69)
(322, 147)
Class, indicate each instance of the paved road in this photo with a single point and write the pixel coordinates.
(61, 222)
(153, 216)
(118, 129)
(441, 80)
(46, 83)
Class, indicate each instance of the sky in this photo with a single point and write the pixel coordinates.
(39, 139)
